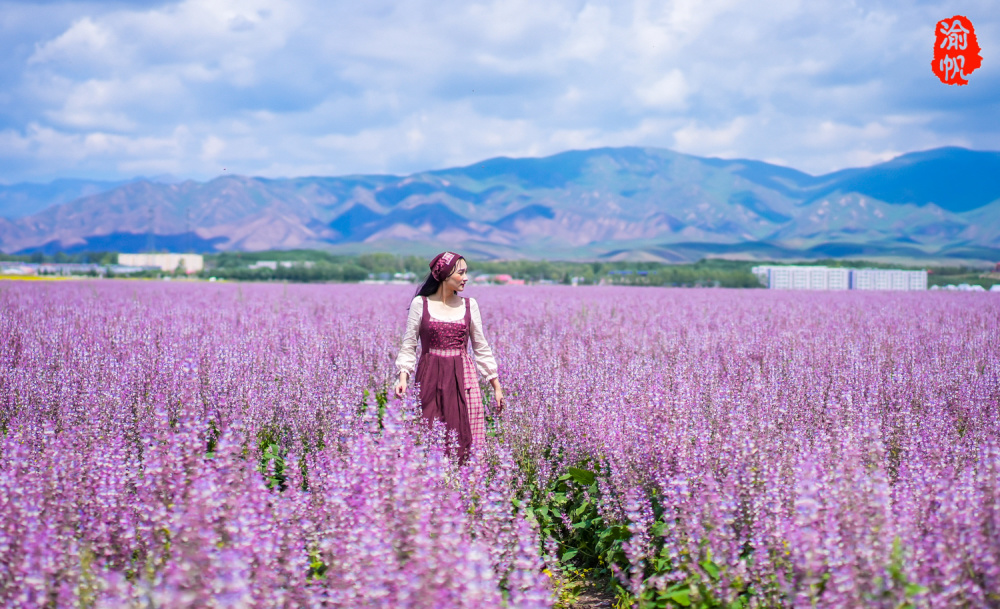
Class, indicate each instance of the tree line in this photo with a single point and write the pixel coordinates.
(319, 266)
(332, 267)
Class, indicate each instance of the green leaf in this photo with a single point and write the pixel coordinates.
(681, 597)
(569, 554)
(914, 589)
(710, 568)
(582, 476)
(613, 533)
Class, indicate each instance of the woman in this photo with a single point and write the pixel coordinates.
(445, 322)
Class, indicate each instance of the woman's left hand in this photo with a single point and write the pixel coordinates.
(498, 394)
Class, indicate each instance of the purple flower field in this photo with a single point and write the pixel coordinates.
(220, 445)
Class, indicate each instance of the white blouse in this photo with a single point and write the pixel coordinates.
(407, 358)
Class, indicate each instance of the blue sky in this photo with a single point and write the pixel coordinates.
(198, 88)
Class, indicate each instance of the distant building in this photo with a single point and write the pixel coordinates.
(965, 287)
(192, 263)
(69, 268)
(888, 279)
(839, 279)
(65, 268)
(830, 278)
(16, 268)
(803, 277)
(287, 264)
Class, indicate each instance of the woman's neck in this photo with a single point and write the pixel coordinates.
(448, 297)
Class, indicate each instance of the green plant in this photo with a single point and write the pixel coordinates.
(567, 512)
(272, 457)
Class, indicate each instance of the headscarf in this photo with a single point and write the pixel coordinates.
(443, 264)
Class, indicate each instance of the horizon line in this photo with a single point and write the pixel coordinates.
(172, 179)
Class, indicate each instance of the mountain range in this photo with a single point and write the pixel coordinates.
(606, 203)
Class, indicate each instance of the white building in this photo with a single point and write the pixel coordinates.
(888, 279)
(192, 263)
(792, 277)
(265, 264)
(838, 279)
(803, 277)
(286, 264)
(17, 268)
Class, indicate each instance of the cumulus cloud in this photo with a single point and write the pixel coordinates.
(711, 141)
(107, 89)
(84, 42)
(666, 93)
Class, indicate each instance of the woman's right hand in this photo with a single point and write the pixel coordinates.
(401, 387)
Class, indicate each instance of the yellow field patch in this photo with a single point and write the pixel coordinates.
(37, 277)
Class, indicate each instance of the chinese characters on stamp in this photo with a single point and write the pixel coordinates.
(956, 50)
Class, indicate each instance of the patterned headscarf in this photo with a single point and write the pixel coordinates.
(442, 265)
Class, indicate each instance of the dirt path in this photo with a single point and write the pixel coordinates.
(594, 599)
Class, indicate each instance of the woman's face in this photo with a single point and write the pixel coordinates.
(456, 281)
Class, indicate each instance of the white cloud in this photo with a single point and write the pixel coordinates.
(299, 86)
(54, 146)
(667, 93)
(212, 147)
(84, 41)
(695, 139)
(89, 106)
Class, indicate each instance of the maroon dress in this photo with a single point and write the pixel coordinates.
(449, 389)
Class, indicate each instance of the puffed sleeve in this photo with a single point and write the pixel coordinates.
(485, 364)
(407, 357)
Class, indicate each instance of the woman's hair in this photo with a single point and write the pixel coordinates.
(431, 285)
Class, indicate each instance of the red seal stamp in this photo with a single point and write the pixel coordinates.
(956, 51)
